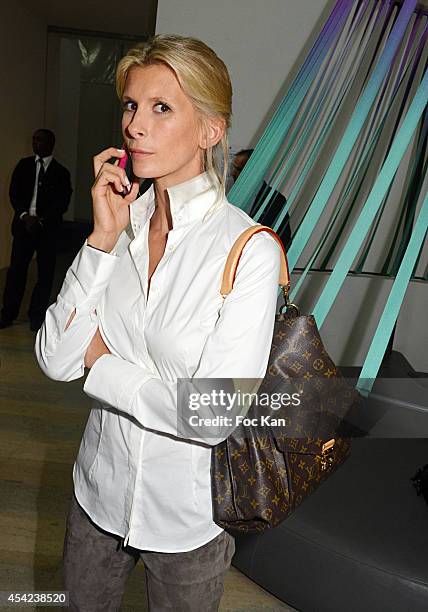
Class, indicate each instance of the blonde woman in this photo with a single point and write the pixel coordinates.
(140, 307)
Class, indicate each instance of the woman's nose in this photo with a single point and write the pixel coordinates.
(137, 126)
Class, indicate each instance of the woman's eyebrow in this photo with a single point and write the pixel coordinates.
(126, 98)
(162, 97)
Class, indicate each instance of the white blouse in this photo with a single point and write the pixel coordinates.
(134, 475)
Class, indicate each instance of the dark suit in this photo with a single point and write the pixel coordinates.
(271, 212)
(53, 197)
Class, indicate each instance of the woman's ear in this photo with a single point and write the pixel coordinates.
(213, 129)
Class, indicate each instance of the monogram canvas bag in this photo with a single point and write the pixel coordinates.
(261, 473)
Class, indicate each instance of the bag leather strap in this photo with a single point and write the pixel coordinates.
(236, 252)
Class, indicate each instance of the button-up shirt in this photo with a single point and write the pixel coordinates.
(134, 475)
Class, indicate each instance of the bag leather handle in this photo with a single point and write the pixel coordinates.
(236, 252)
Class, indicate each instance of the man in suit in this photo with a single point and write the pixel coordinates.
(275, 204)
(40, 192)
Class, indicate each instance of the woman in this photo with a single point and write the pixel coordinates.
(141, 307)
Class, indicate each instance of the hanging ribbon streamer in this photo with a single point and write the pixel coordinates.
(389, 316)
(309, 119)
(364, 160)
(316, 149)
(251, 177)
(351, 134)
(386, 117)
(359, 265)
(301, 128)
(373, 202)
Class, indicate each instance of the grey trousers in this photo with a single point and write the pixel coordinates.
(96, 568)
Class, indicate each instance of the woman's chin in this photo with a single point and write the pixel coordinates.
(143, 168)
(143, 173)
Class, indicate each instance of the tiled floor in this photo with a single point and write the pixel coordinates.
(41, 426)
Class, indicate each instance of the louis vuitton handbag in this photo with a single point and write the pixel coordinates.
(261, 473)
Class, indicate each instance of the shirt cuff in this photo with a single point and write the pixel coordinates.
(115, 381)
(88, 277)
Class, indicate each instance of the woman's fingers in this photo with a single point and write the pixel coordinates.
(104, 156)
(108, 169)
(113, 176)
(132, 195)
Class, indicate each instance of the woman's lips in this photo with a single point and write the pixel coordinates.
(140, 154)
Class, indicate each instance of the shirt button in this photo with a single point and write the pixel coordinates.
(179, 218)
(171, 247)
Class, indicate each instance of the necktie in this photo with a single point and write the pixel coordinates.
(39, 184)
(41, 171)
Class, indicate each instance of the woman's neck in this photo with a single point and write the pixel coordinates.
(161, 219)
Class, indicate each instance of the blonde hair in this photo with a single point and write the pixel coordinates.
(203, 77)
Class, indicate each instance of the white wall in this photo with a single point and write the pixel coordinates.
(22, 70)
(261, 42)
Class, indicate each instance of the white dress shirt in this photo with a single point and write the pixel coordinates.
(134, 475)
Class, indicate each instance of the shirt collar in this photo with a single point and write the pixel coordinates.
(46, 160)
(189, 201)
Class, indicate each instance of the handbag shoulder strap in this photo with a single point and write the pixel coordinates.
(235, 254)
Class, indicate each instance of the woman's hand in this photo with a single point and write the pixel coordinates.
(96, 348)
(111, 210)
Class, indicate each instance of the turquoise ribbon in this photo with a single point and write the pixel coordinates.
(309, 119)
(373, 202)
(352, 131)
(244, 190)
(389, 316)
